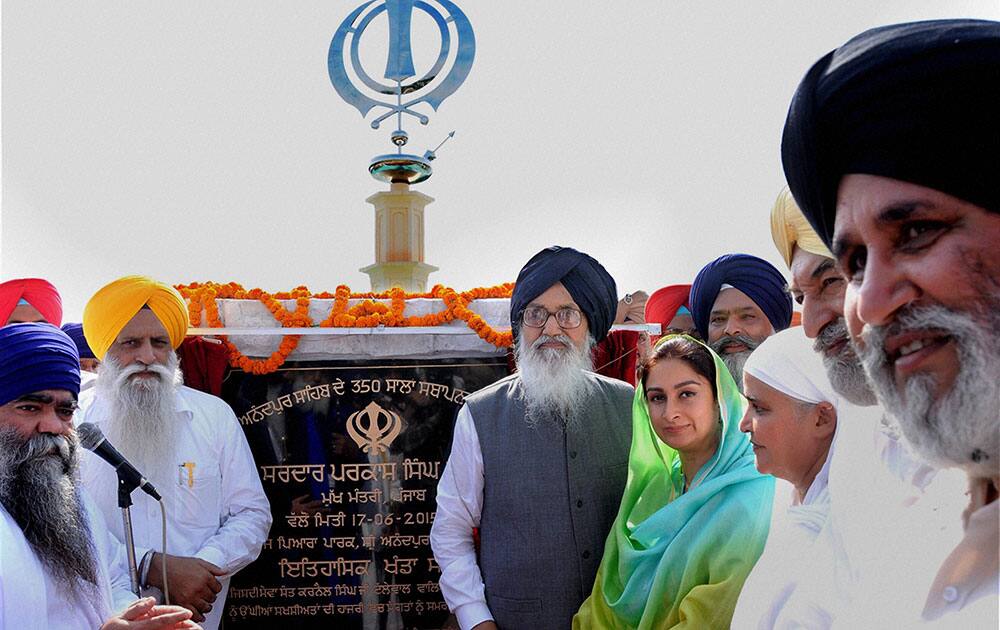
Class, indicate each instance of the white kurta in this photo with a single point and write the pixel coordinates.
(216, 507)
(893, 521)
(790, 553)
(30, 599)
(459, 509)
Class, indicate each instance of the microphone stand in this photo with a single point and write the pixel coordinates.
(125, 488)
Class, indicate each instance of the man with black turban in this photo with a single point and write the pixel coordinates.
(59, 566)
(539, 459)
(890, 149)
(738, 301)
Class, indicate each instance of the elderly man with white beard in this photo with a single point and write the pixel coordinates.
(889, 150)
(188, 443)
(59, 566)
(539, 459)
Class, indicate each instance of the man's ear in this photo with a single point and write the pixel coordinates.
(826, 418)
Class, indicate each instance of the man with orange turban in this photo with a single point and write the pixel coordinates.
(29, 300)
(188, 443)
(671, 309)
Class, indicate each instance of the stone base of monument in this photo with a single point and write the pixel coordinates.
(350, 438)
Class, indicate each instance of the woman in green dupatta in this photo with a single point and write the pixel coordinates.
(695, 513)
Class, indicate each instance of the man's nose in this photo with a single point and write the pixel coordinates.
(145, 354)
(51, 422)
(551, 326)
(884, 290)
(732, 327)
(816, 315)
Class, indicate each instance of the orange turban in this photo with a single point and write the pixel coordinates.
(789, 229)
(36, 292)
(663, 305)
(116, 304)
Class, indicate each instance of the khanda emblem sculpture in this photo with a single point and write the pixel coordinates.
(373, 428)
(403, 90)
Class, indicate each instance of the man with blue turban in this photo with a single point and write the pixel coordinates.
(59, 566)
(539, 459)
(738, 301)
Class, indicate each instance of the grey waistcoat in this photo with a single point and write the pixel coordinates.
(549, 499)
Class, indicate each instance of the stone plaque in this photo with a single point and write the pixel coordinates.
(350, 456)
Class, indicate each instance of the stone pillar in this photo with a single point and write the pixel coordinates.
(399, 240)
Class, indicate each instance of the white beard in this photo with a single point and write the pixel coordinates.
(735, 361)
(143, 422)
(958, 428)
(554, 379)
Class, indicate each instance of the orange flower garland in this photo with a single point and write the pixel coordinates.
(366, 314)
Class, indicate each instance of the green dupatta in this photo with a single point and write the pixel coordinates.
(677, 559)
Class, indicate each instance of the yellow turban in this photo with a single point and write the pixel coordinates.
(116, 304)
(790, 228)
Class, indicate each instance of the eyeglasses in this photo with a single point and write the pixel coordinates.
(537, 317)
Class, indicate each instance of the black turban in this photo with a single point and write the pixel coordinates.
(916, 102)
(592, 287)
(754, 276)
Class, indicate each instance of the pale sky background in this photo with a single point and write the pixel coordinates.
(203, 141)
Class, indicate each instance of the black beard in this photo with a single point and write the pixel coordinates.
(40, 493)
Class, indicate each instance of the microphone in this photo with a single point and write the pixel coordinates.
(92, 439)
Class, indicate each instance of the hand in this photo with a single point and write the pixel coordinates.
(193, 582)
(146, 615)
(485, 625)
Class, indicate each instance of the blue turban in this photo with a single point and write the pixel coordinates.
(592, 287)
(754, 276)
(36, 357)
(75, 332)
(915, 102)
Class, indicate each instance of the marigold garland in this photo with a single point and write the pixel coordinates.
(368, 313)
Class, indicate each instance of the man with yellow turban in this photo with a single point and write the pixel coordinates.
(188, 443)
(819, 288)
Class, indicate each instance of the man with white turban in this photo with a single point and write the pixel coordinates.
(187, 443)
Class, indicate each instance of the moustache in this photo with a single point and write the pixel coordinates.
(44, 445)
(544, 339)
(832, 334)
(927, 319)
(734, 340)
(129, 371)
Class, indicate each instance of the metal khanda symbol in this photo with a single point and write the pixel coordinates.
(399, 68)
(373, 429)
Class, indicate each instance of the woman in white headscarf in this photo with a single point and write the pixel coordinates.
(792, 422)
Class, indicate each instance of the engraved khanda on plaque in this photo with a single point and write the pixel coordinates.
(373, 428)
(402, 89)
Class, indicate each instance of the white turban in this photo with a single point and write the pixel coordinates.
(787, 362)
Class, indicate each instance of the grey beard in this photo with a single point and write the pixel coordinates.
(554, 381)
(959, 428)
(735, 361)
(143, 419)
(39, 490)
(847, 375)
